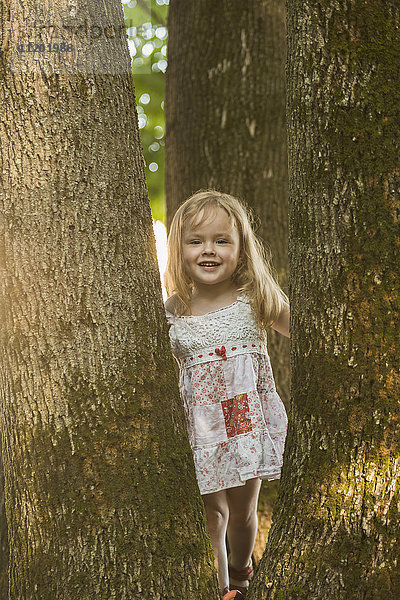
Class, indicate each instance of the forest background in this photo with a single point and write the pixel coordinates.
(146, 23)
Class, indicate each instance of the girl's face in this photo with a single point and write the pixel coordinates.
(211, 249)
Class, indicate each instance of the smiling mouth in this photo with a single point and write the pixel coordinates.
(208, 264)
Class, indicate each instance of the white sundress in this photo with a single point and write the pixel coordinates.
(236, 421)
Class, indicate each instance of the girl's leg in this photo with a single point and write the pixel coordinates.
(242, 524)
(217, 513)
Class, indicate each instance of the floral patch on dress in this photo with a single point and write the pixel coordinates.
(208, 383)
(236, 414)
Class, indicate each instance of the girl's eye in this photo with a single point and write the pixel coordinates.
(194, 242)
(222, 242)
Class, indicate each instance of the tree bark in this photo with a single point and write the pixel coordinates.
(101, 496)
(3, 538)
(225, 125)
(335, 533)
(4, 36)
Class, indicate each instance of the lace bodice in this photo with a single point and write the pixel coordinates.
(195, 339)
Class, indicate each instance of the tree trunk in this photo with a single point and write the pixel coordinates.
(335, 533)
(101, 496)
(3, 520)
(225, 126)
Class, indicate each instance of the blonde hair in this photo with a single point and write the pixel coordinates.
(254, 275)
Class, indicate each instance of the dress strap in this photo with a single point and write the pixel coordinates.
(171, 318)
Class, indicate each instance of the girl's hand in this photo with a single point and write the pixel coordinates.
(282, 323)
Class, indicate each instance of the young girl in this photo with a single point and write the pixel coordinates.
(224, 298)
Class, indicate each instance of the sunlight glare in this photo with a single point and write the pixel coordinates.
(160, 234)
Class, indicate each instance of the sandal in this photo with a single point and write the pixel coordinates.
(236, 577)
(231, 594)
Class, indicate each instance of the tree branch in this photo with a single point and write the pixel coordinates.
(154, 16)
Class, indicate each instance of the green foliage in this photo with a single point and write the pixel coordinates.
(147, 39)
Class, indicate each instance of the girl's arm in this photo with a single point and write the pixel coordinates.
(282, 323)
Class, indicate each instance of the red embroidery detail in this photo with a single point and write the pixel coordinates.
(235, 413)
(234, 348)
(200, 356)
(253, 345)
(210, 353)
(221, 352)
(244, 345)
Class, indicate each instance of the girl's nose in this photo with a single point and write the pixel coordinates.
(208, 249)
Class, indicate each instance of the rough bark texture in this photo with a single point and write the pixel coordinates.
(3, 538)
(336, 533)
(3, 520)
(101, 497)
(225, 122)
